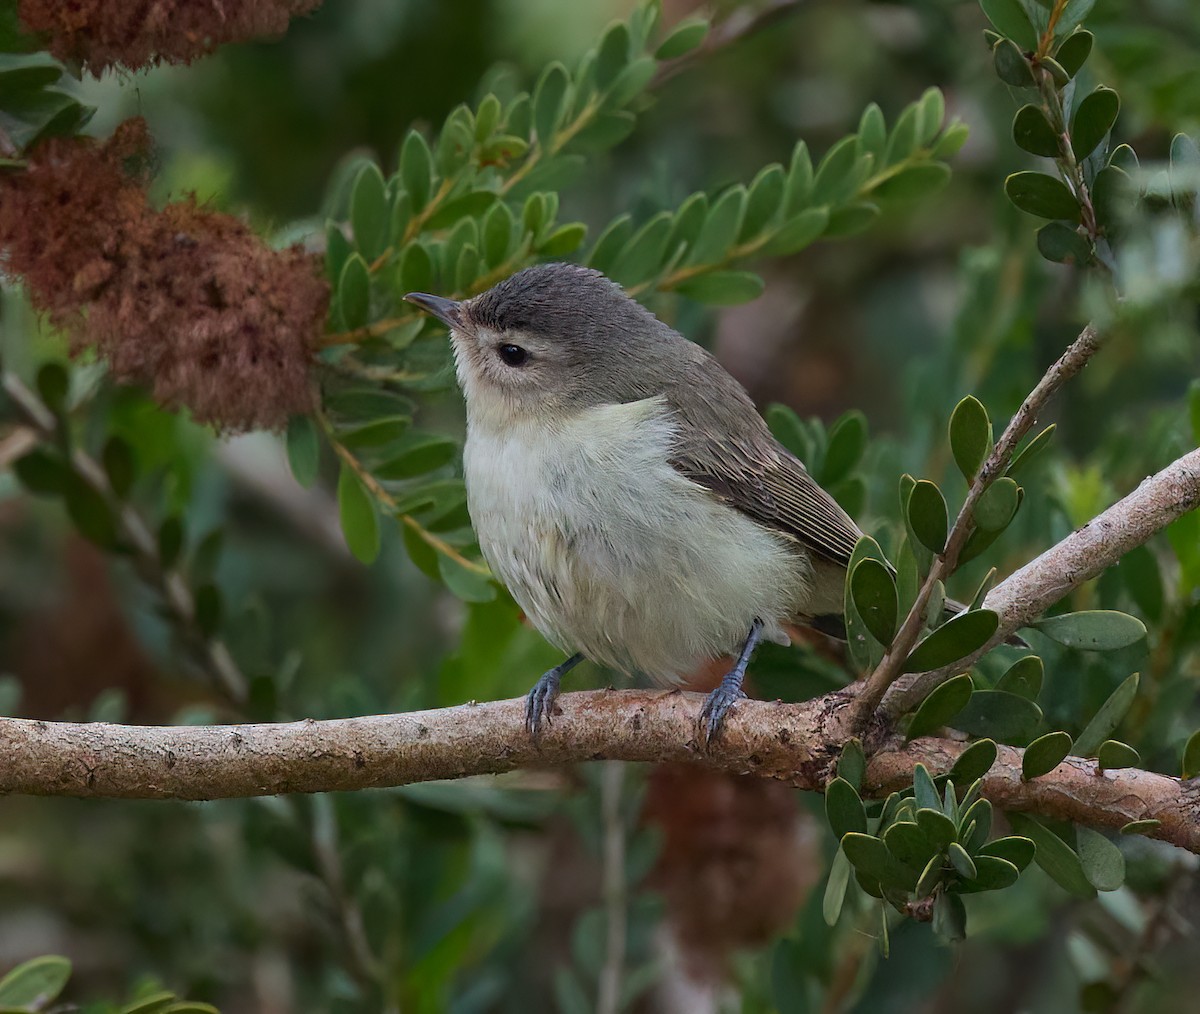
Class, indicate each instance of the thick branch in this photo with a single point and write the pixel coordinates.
(1082, 555)
(795, 742)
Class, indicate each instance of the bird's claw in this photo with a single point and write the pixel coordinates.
(716, 707)
(540, 702)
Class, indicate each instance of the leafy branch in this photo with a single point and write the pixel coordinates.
(96, 498)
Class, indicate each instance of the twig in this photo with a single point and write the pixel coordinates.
(167, 582)
(609, 992)
(1030, 591)
(888, 670)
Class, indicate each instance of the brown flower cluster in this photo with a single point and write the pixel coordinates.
(187, 301)
(141, 33)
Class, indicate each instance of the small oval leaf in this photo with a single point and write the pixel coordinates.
(1044, 754)
(955, 639)
(941, 706)
(970, 436)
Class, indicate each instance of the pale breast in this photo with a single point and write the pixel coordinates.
(610, 551)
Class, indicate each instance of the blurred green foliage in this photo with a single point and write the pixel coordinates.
(441, 147)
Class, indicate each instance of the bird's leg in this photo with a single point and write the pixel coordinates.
(541, 698)
(730, 691)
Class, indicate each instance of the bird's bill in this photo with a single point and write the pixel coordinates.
(448, 311)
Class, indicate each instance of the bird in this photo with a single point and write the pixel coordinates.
(625, 489)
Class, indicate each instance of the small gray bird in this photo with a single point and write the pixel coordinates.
(627, 492)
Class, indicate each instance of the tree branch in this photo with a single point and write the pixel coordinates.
(1083, 554)
(794, 742)
(1074, 359)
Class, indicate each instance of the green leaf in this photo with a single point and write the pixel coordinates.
(1073, 12)
(847, 442)
(998, 505)
(418, 454)
(303, 449)
(835, 889)
(416, 169)
(682, 39)
(961, 861)
(1103, 863)
(632, 82)
(53, 384)
(469, 205)
(1014, 849)
(762, 201)
(415, 269)
(932, 108)
(871, 857)
(865, 651)
(170, 542)
(1054, 856)
(722, 288)
(612, 55)
(942, 704)
(642, 256)
(992, 874)
(720, 228)
(975, 825)
(27, 72)
(798, 232)
(851, 219)
(35, 983)
(1114, 198)
(1032, 132)
(872, 131)
(970, 436)
(955, 639)
(999, 715)
(974, 762)
(354, 292)
(1093, 630)
(1074, 51)
(469, 585)
(497, 235)
(1114, 754)
(927, 515)
(1023, 677)
(908, 843)
(852, 764)
(1191, 756)
(1031, 450)
(1011, 66)
(844, 808)
(611, 242)
(1011, 20)
(834, 172)
(563, 240)
(1141, 826)
(1093, 120)
(951, 142)
(798, 190)
(360, 523)
(90, 511)
(874, 591)
(913, 181)
(42, 471)
(1042, 195)
(119, 466)
(1060, 243)
(1044, 754)
(370, 216)
(924, 790)
(548, 102)
(1107, 718)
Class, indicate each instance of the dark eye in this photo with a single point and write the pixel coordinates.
(513, 355)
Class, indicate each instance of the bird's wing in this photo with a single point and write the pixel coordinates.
(724, 445)
(779, 494)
